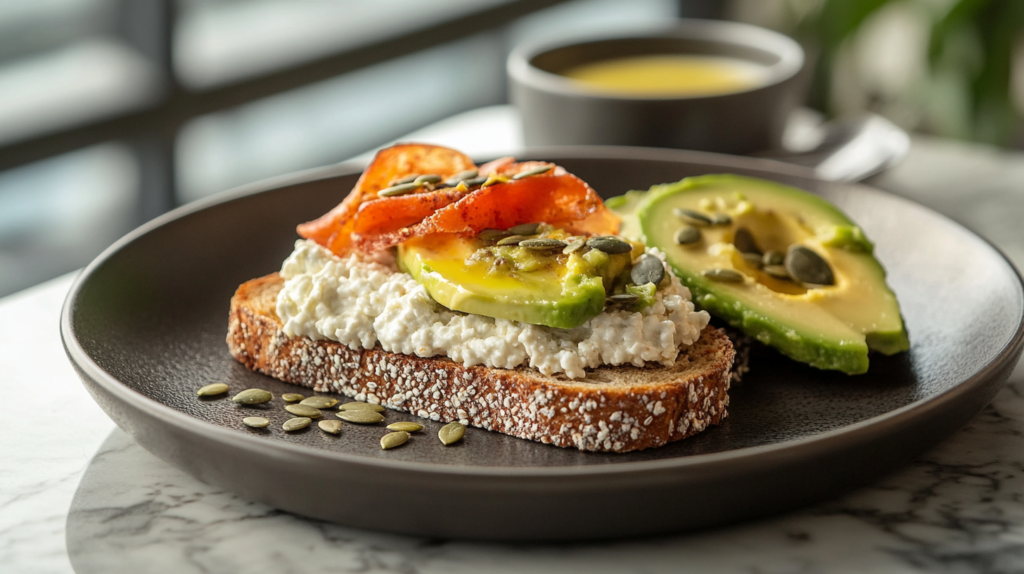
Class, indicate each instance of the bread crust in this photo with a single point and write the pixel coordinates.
(614, 409)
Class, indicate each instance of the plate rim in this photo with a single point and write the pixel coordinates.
(804, 446)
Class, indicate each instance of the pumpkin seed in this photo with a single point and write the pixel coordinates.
(744, 241)
(292, 397)
(493, 234)
(212, 390)
(524, 229)
(451, 433)
(724, 275)
(428, 178)
(692, 217)
(534, 171)
(721, 219)
(542, 243)
(461, 176)
(256, 422)
(362, 417)
(752, 259)
(407, 179)
(301, 410)
(609, 244)
(687, 235)
(331, 426)
(393, 439)
(573, 244)
(623, 298)
(319, 402)
(647, 270)
(296, 424)
(359, 405)
(252, 397)
(806, 266)
(512, 240)
(405, 426)
(777, 271)
(475, 181)
(400, 189)
(772, 257)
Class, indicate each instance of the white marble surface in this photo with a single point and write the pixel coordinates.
(76, 494)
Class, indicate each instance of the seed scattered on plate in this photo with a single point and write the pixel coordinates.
(777, 271)
(524, 229)
(256, 422)
(491, 234)
(407, 179)
(692, 217)
(512, 240)
(772, 257)
(752, 259)
(212, 390)
(400, 189)
(360, 406)
(252, 397)
(744, 241)
(330, 426)
(721, 219)
(609, 244)
(573, 244)
(292, 397)
(806, 266)
(451, 433)
(362, 417)
(623, 298)
(393, 439)
(534, 171)
(542, 243)
(319, 402)
(647, 270)
(405, 426)
(461, 177)
(687, 235)
(297, 423)
(301, 410)
(428, 178)
(724, 275)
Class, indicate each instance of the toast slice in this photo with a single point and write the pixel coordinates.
(615, 409)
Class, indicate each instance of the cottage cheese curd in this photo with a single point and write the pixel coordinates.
(363, 301)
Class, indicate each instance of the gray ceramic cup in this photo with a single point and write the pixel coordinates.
(560, 111)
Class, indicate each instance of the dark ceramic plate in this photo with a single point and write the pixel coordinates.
(145, 323)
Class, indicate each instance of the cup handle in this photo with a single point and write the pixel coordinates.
(846, 149)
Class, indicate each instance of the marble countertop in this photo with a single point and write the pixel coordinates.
(78, 495)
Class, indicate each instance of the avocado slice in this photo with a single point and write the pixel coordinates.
(540, 289)
(829, 327)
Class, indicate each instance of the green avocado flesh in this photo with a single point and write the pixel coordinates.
(829, 327)
(511, 283)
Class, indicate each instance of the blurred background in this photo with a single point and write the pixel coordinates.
(114, 111)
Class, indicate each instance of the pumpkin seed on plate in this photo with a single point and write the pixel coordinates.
(296, 424)
(318, 402)
(292, 397)
(406, 179)
(542, 243)
(400, 189)
(362, 417)
(393, 439)
(252, 397)
(724, 275)
(721, 219)
(692, 217)
(534, 171)
(360, 405)
(623, 298)
(405, 426)
(461, 176)
(475, 181)
(427, 178)
(493, 234)
(512, 240)
(744, 241)
(573, 244)
(451, 433)
(647, 270)
(609, 244)
(806, 266)
(752, 259)
(772, 257)
(687, 235)
(777, 271)
(212, 390)
(524, 229)
(330, 426)
(256, 422)
(301, 410)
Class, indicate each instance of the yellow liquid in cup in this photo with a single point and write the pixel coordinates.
(669, 75)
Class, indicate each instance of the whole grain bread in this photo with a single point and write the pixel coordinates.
(614, 409)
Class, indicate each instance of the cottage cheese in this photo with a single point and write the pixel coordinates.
(363, 301)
